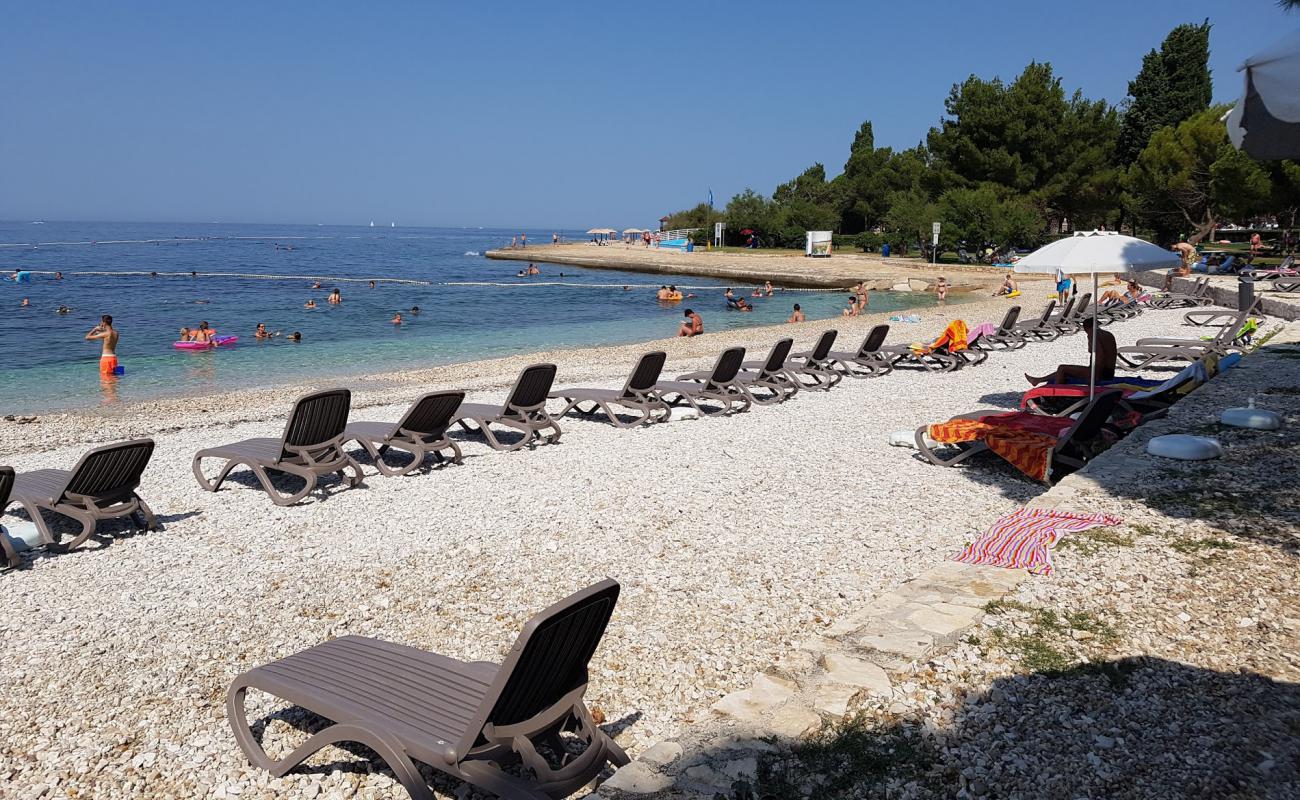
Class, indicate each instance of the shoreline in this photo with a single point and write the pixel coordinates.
(783, 267)
(604, 363)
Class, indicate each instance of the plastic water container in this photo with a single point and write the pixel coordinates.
(1258, 418)
(1184, 447)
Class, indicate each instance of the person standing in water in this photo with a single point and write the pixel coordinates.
(104, 333)
(335, 297)
(797, 316)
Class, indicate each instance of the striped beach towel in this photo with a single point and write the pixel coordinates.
(1024, 538)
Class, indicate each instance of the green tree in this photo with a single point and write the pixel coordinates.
(908, 220)
(1173, 84)
(1191, 177)
(1285, 202)
(701, 216)
(749, 210)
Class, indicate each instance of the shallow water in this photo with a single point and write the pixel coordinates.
(46, 364)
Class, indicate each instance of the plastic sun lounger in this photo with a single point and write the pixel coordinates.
(1068, 454)
(1005, 337)
(1157, 350)
(1029, 331)
(101, 486)
(8, 555)
(310, 447)
(1198, 296)
(421, 432)
(1071, 321)
(869, 361)
(767, 382)
(815, 364)
(1049, 330)
(637, 395)
(1213, 318)
(1064, 400)
(465, 718)
(524, 411)
(721, 389)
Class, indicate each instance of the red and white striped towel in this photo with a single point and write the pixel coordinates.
(1025, 538)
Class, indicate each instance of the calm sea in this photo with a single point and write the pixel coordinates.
(248, 274)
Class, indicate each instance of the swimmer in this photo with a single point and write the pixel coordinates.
(204, 333)
(372, 284)
(58, 276)
(262, 332)
(758, 292)
(194, 274)
(730, 297)
(185, 335)
(335, 297)
(397, 318)
(767, 288)
(295, 337)
(415, 310)
(673, 294)
(662, 294)
(521, 274)
(852, 310)
(62, 310)
(309, 304)
(627, 288)
(25, 303)
(533, 270)
(797, 316)
(153, 274)
(744, 305)
(316, 285)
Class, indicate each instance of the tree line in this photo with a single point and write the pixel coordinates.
(1014, 164)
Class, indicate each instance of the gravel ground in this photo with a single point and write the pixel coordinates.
(732, 539)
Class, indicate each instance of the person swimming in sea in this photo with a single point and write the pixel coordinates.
(521, 274)
(62, 310)
(25, 303)
(185, 335)
(263, 333)
(797, 316)
(397, 318)
(204, 333)
(415, 310)
(533, 270)
(372, 284)
(294, 337)
(767, 288)
(310, 303)
(335, 297)
(316, 285)
(58, 276)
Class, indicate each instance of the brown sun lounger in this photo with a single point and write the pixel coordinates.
(1198, 296)
(1049, 328)
(310, 447)
(1071, 452)
(720, 387)
(466, 718)
(1156, 350)
(422, 431)
(1005, 337)
(101, 486)
(524, 411)
(637, 395)
(9, 556)
(816, 364)
(870, 361)
(767, 382)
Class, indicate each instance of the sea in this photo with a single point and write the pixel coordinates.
(155, 278)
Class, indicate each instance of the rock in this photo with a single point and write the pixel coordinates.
(662, 754)
(917, 285)
(749, 704)
(834, 699)
(856, 672)
(901, 287)
(793, 721)
(637, 778)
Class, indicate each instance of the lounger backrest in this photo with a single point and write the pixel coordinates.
(1067, 309)
(431, 414)
(1009, 321)
(547, 661)
(875, 338)
(646, 374)
(1094, 416)
(1047, 312)
(777, 358)
(110, 471)
(824, 345)
(6, 486)
(728, 365)
(532, 387)
(316, 419)
(1081, 308)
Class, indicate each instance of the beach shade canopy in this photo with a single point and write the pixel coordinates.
(633, 230)
(1096, 252)
(1265, 123)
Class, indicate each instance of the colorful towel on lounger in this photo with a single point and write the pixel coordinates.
(1025, 538)
(1025, 440)
(982, 329)
(953, 338)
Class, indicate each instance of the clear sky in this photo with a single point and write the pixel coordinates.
(513, 114)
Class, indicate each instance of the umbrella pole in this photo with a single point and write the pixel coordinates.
(1092, 341)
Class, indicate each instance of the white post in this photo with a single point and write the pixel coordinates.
(1092, 340)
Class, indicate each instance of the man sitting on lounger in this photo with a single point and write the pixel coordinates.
(1105, 360)
(693, 326)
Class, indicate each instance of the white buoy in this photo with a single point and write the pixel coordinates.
(1184, 447)
(1250, 417)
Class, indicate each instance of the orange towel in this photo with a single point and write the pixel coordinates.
(1025, 440)
(953, 339)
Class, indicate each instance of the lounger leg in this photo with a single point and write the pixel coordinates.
(277, 498)
(384, 746)
(88, 525)
(38, 520)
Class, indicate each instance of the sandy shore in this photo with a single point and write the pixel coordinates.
(732, 538)
(782, 267)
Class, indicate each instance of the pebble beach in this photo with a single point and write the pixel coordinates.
(732, 538)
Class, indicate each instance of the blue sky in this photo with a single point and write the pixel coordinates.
(512, 114)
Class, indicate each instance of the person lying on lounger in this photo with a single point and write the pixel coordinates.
(1131, 295)
(1105, 360)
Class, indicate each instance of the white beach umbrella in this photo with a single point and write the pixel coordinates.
(1096, 252)
(1265, 123)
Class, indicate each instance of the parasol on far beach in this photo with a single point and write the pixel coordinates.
(1094, 252)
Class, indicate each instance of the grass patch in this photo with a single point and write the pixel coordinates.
(844, 759)
(1095, 540)
(1193, 547)
(1207, 503)
(1034, 652)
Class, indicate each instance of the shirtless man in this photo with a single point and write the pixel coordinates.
(743, 305)
(104, 333)
(336, 296)
(730, 297)
(797, 316)
(693, 326)
(397, 318)
(662, 294)
(1008, 286)
(204, 333)
(1105, 350)
(262, 332)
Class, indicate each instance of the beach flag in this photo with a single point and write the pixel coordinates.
(710, 198)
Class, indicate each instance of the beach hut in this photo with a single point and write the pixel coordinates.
(1265, 123)
(1092, 253)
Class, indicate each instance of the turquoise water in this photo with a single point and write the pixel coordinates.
(46, 364)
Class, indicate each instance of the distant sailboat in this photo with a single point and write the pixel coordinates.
(372, 223)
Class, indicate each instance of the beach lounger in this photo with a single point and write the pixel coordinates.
(1061, 400)
(1198, 296)
(422, 431)
(816, 364)
(1028, 330)
(524, 411)
(310, 447)
(468, 719)
(869, 361)
(1049, 329)
(946, 353)
(1155, 350)
(1071, 320)
(101, 486)
(1076, 441)
(637, 395)
(1214, 318)
(721, 387)
(771, 382)
(8, 555)
(1005, 337)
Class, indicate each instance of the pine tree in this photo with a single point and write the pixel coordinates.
(1173, 85)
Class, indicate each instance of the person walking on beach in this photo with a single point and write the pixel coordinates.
(693, 326)
(104, 333)
(797, 316)
(1105, 359)
(555, 238)
(523, 240)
